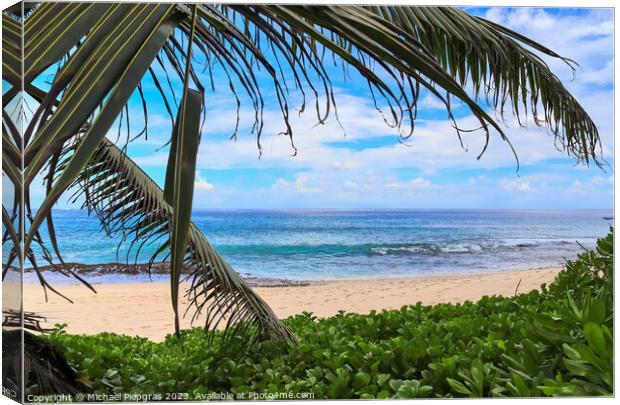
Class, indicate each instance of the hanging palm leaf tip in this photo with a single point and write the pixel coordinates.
(103, 52)
(179, 187)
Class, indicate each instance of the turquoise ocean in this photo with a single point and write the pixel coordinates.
(341, 244)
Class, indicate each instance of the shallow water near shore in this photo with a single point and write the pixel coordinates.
(339, 244)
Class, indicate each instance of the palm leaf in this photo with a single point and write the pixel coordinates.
(131, 204)
(139, 59)
(130, 45)
(179, 187)
(182, 189)
(506, 74)
(11, 50)
(54, 30)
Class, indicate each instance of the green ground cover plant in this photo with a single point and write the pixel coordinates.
(552, 342)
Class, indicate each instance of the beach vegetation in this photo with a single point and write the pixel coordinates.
(555, 341)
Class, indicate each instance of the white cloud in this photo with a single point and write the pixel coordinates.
(420, 183)
(200, 183)
(350, 184)
(518, 185)
(281, 183)
(477, 180)
(432, 102)
(300, 185)
(577, 187)
(586, 37)
(602, 76)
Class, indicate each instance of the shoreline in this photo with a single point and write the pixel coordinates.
(143, 308)
(98, 274)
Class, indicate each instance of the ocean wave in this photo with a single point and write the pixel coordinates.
(463, 248)
(427, 249)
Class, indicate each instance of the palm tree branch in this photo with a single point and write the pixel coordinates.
(498, 66)
(132, 205)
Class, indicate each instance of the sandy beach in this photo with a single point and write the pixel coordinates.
(144, 308)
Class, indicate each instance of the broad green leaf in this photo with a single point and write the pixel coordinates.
(597, 311)
(596, 338)
(459, 387)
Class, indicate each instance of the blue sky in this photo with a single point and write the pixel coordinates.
(369, 168)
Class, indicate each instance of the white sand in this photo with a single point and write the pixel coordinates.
(144, 308)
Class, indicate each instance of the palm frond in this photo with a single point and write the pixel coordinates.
(180, 176)
(496, 63)
(130, 204)
(142, 41)
(11, 50)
